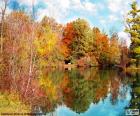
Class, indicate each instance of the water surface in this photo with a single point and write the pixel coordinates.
(76, 92)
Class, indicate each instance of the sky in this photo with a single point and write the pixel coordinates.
(108, 15)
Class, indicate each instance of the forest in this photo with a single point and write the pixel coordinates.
(78, 69)
(28, 46)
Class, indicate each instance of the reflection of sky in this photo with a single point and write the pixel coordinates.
(103, 108)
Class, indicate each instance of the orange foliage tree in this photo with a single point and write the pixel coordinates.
(101, 46)
(68, 36)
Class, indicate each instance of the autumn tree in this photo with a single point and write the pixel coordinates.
(114, 50)
(124, 58)
(82, 39)
(101, 47)
(106, 50)
(133, 27)
(55, 27)
(77, 39)
(68, 36)
(47, 42)
(18, 43)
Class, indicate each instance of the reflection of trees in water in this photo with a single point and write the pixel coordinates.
(77, 89)
(44, 105)
(85, 90)
(82, 90)
(114, 87)
(49, 82)
(100, 85)
(135, 100)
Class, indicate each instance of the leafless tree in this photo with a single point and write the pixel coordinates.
(32, 55)
(2, 12)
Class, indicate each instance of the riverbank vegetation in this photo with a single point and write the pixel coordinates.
(27, 46)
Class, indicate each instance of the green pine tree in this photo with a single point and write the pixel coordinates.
(133, 28)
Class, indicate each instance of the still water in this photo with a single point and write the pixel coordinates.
(76, 92)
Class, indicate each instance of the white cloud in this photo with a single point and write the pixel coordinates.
(60, 9)
(113, 18)
(114, 6)
(89, 7)
(119, 6)
(85, 6)
(55, 9)
(64, 3)
(118, 10)
(63, 10)
(124, 38)
(103, 21)
(76, 4)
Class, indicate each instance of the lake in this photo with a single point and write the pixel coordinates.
(75, 92)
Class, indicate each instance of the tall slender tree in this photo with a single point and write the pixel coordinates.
(133, 28)
(2, 12)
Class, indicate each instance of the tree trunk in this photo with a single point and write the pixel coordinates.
(2, 24)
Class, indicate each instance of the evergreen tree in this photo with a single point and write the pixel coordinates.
(133, 28)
